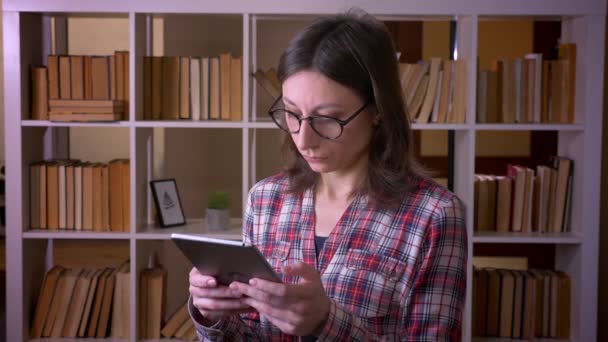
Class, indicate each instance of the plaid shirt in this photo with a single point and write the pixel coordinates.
(390, 274)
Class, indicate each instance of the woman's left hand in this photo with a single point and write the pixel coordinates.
(297, 309)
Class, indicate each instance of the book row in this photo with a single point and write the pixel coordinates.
(82, 196)
(524, 200)
(528, 89)
(434, 90)
(521, 304)
(83, 303)
(95, 303)
(193, 88)
(72, 77)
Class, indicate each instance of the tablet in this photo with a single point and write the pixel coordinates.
(226, 260)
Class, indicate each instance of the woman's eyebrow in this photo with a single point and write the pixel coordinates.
(316, 108)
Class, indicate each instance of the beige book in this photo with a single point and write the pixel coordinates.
(421, 90)
(43, 305)
(182, 332)
(43, 195)
(69, 188)
(503, 204)
(97, 198)
(446, 88)
(204, 78)
(86, 312)
(116, 205)
(95, 313)
(87, 196)
(62, 192)
(106, 304)
(105, 198)
(78, 198)
(225, 86)
(71, 276)
(156, 293)
(266, 84)
(176, 321)
(79, 297)
(214, 88)
(120, 306)
(429, 98)
(195, 89)
(236, 89)
(52, 175)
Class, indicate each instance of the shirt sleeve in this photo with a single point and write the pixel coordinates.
(432, 309)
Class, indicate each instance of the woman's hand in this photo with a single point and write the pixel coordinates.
(297, 309)
(215, 301)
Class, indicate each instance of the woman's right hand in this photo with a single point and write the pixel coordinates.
(215, 301)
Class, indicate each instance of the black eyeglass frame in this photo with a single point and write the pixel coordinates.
(310, 119)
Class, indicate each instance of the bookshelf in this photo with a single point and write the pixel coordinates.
(26, 41)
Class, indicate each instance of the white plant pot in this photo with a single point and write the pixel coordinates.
(218, 219)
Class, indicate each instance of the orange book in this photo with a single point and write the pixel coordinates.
(184, 88)
(236, 89)
(53, 76)
(77, 76)
(115, 194)
(52, 175)
(39, 93)
(100, 77)
(170, 88)
(65, 91)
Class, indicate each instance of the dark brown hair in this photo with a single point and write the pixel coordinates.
(356, 50)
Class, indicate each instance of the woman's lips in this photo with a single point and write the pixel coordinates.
(312, 159)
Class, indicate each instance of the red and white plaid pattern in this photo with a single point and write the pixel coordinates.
(392, 275)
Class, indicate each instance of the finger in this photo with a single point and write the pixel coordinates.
(212, 304)
(285, 320)
(215, 292)
(259, 294)
(198, 279)
(302, 270)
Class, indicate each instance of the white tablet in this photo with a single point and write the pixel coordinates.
(226, 260)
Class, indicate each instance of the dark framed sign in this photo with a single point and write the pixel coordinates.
(168, 203)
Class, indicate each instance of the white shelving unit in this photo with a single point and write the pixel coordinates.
(25, 30)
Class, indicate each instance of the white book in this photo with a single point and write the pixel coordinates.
(204, 88)
(195, 92)
(538, 75)
(435, 113)
(78, 197)
(517, 86)
(429, 98)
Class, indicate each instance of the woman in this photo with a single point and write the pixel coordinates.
(367, 247)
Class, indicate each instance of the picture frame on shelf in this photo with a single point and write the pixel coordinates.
(168, 203)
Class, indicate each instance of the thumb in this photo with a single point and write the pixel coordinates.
(302, 270)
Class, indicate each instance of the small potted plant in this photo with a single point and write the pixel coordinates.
(218, 213)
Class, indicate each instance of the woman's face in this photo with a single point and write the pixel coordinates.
(311, 93)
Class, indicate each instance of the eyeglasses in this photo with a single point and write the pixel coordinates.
(325, 126)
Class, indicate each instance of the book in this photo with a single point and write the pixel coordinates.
(177, 319)
(43, 305)
(39, 93)
(86, 311)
